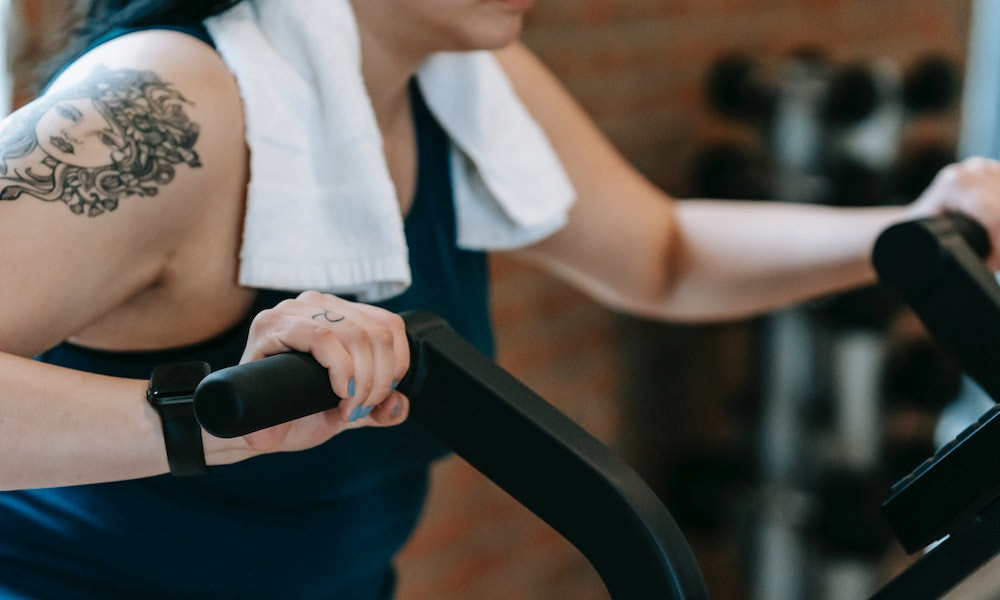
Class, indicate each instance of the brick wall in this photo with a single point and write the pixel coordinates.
(37, 32)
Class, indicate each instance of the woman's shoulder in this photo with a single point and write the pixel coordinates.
(155, 95)
(134, 152)
(180, 58)
(147, 102)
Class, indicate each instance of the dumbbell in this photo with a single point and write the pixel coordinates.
(735, 88)
(732, 171)
(922, 376)
(931, 84)
(854, 93)
(918, 166)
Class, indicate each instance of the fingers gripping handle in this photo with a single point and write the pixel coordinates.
(245, 398)
(240, 400)
(974, 234)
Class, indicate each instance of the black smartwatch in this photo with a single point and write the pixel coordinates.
(171, 393)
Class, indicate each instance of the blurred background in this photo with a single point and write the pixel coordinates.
(772, 440)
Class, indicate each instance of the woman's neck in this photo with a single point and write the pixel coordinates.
(386, 80)
(388, 64)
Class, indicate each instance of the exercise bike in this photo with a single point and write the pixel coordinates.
(591, 497)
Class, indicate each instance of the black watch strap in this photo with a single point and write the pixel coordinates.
(171, 393)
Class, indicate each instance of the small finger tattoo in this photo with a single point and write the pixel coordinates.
(328, 317)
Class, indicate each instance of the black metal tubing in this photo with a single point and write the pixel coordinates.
(507, 432)
(944, 567)
(936, 265)
(949, 488)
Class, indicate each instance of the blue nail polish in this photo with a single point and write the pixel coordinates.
(367, 411)
(394, 384)
(350, 388)
(396, 409)
(356, 413)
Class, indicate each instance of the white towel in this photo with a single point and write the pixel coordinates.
(322, 212)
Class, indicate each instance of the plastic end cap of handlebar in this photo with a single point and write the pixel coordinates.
(217, 408)
(906, 255)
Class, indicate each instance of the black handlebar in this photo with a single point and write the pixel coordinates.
(240, 400)
(581, 489)
(936, 265)
(511, 435)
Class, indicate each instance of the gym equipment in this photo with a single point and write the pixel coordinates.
(852, 95)
(918, 166)
(500, 427)
(730, 170)
(847, 523)
(922, 376)
(932, 84)
(703, 485)
(936, 265)
(735, 88)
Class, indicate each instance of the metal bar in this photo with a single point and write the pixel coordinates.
(507, 432)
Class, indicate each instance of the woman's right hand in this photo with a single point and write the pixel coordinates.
(363, 347)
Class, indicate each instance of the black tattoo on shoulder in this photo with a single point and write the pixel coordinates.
(117, 133)
(328, 317)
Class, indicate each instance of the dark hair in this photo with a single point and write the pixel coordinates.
(106, 15)
(103, 16)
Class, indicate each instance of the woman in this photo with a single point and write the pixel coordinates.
(123, 282)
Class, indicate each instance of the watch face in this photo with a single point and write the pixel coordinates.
(177, 379)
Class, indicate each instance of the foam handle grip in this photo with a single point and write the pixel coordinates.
(974, 234)
(239, 400)
(908, 255)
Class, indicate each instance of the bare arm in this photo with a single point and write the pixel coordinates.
(75, 244)
(123, 186)
(635, 248)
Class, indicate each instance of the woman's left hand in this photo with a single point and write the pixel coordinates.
(972, 187)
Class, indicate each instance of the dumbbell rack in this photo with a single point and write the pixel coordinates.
(936, 265)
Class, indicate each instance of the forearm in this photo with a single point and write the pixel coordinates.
(63, 427)
(635, 249)
(735, 259)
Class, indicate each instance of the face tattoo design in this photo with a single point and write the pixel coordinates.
(117, 133)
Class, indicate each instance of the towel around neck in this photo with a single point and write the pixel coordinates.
(322, 212)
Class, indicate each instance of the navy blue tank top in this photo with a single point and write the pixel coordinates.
(323, 523)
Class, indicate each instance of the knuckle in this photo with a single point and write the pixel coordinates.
(382, 336)
(266, 319)
(950, 173)
(395, 322)
(965, 178)
(324, 335)
(287, 305)
(353, 332)
(979, 163)
(310, 296)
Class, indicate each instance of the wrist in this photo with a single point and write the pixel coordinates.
(225, 451)
(171, 394)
